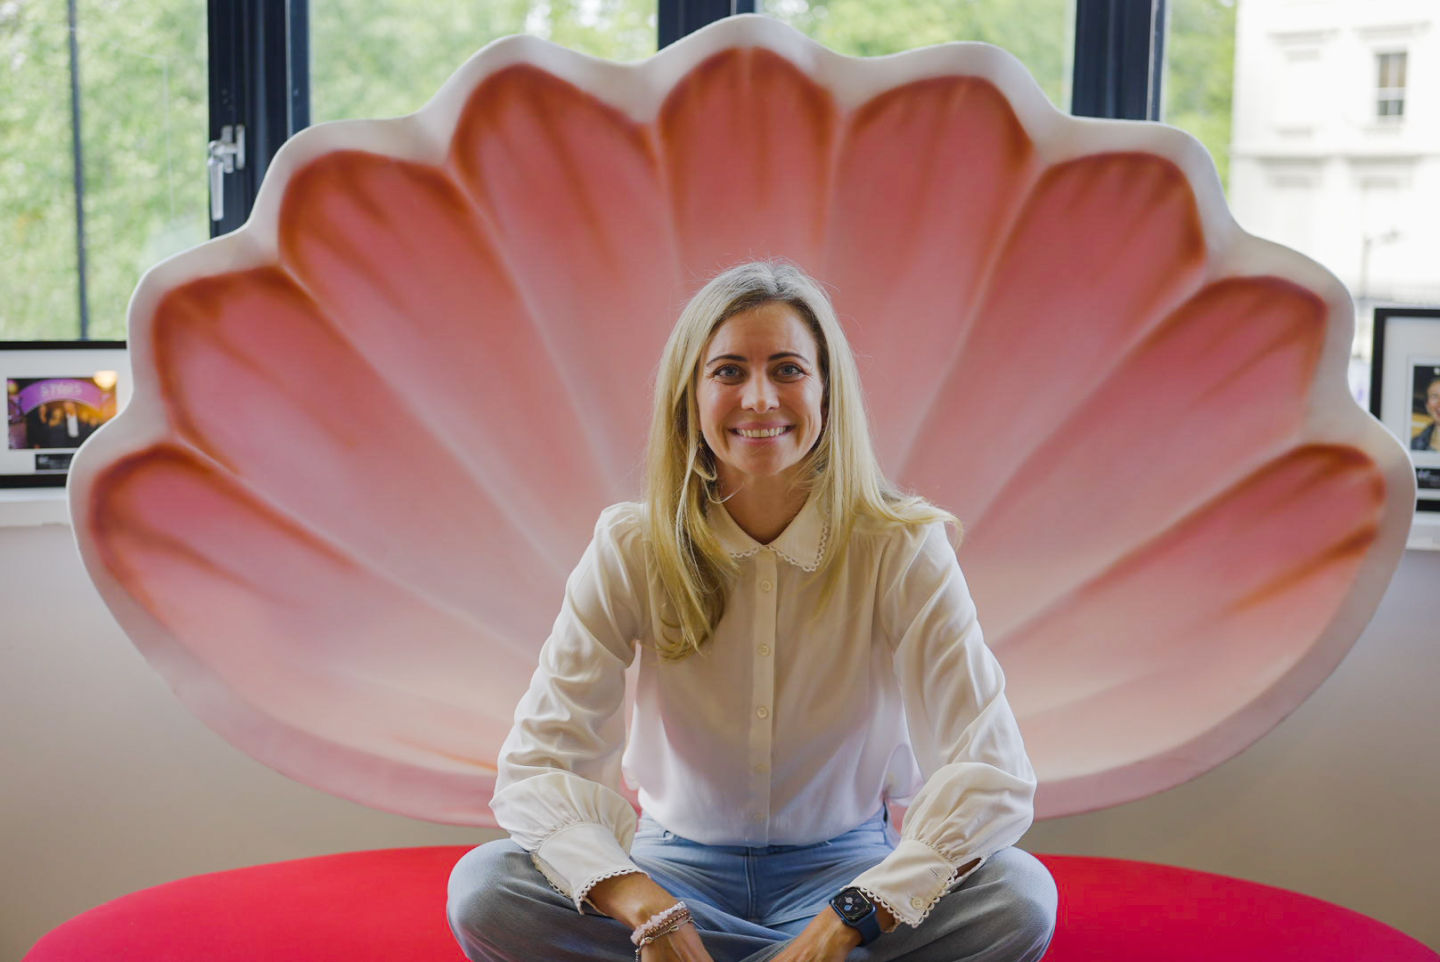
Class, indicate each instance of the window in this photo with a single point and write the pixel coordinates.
(98, 185)
(1390, 95)
(1200, 75)
(1306, 148)
(380, 58)
(1040, 32)
(133, 76)
(37, 199)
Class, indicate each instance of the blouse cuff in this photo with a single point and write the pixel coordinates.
(911, 880)
(577, 856)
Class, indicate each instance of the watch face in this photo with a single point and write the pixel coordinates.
(853, 905)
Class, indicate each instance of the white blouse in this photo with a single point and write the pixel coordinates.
(794, 724)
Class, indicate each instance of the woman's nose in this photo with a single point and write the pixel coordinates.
(760, 395)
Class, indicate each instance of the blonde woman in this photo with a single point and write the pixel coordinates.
(808, 651)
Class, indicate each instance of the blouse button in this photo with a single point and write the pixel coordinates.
(917, 902)
(763, 650)
(766, 585)
(762, 712)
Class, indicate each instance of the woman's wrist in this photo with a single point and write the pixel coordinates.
(661, 924)
(632, 899)
(839, 931)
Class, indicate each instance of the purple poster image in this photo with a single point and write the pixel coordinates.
(57, 412)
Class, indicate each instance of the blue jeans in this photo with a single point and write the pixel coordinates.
(748, 902)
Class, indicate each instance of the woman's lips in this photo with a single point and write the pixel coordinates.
(785, 429)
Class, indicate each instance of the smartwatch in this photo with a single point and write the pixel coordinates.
(857, 911)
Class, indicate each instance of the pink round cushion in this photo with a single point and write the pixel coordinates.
(389, 906)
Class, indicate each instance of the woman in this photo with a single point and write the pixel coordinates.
(804, 638)
(1429, 438)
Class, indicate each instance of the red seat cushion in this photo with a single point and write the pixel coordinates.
(385, 906)
(390, 905)
(1113, 910)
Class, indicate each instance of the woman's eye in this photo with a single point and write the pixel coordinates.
(726, 371)
(791, 370)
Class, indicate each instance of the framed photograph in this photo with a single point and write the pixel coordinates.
(1405, 390)
(57, 394)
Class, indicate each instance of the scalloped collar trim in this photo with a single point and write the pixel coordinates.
(802, 543)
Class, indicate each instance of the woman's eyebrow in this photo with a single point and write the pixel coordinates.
(741, 357)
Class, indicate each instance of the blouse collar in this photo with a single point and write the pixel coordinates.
(802, 543)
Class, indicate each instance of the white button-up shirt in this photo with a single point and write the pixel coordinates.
(793, 724)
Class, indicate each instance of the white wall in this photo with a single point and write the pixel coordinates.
(109, 786)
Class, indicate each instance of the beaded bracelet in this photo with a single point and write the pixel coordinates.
(659, 925)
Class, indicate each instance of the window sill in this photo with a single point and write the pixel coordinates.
(1424, 532)
(24, 507)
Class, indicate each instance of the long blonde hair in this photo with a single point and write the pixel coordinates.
(842, 473)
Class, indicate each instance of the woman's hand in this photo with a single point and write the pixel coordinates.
(635, 898)
(827, 939)
(682, 945)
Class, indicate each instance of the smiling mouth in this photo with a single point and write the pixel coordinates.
(760, 435)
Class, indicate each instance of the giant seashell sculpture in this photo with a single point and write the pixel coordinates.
(371, 429)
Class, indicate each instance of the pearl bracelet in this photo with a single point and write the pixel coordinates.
(659, 925)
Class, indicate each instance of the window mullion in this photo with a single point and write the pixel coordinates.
(1118, 58)
(676, 18)
(259, 95)
(77, 154)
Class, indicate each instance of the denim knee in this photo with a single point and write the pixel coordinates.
(486, 894)
(1027, 913)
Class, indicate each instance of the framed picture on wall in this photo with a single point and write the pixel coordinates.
(57, 394)
(1405, 390)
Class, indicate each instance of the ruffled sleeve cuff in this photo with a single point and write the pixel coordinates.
(912, 879)
(577, 856)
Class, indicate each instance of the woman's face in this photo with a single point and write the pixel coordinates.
(760, 394)
(1432, 400)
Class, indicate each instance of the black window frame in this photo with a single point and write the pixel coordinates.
(259, 73)
(259, 84)
(1119, 59)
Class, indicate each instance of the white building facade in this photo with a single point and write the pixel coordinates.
(1335, 140)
